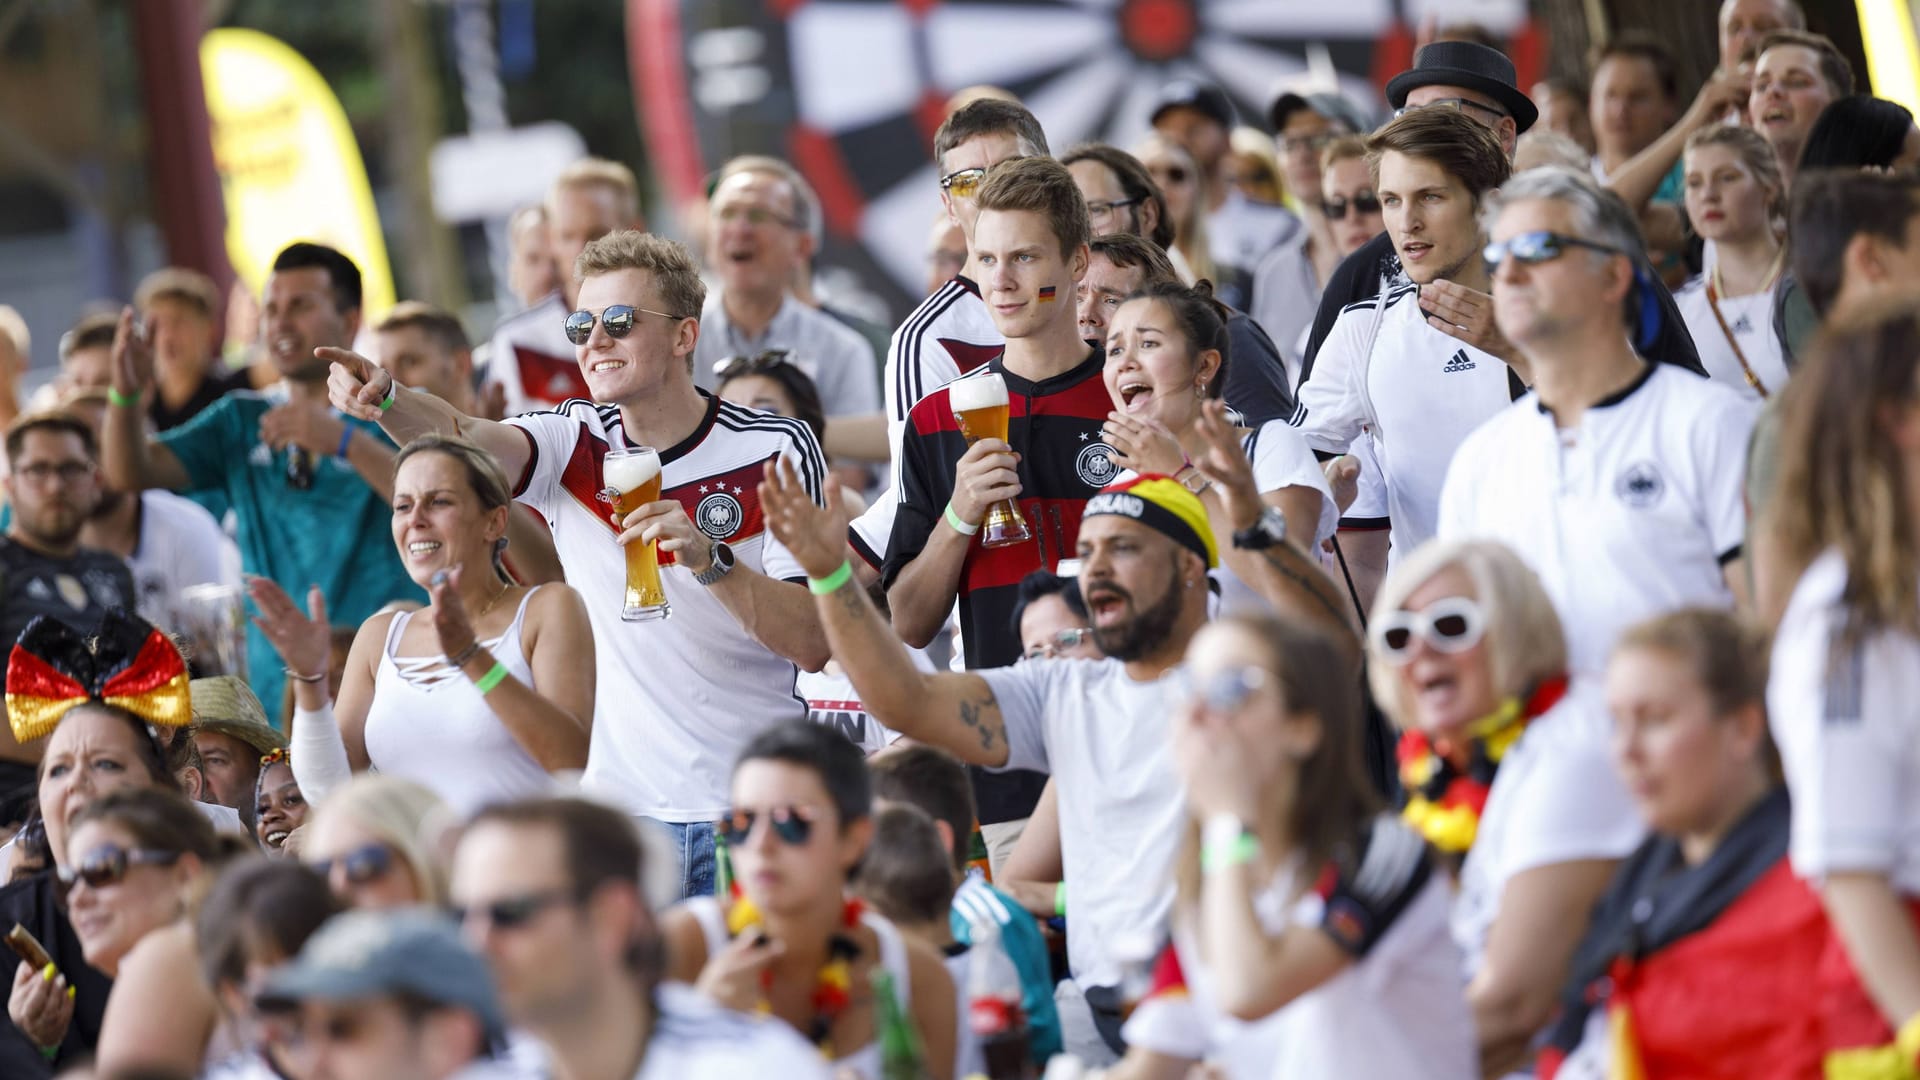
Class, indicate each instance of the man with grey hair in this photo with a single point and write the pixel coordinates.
(760, 230)
(1617, 479)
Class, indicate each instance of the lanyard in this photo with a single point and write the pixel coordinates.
(1713, 302)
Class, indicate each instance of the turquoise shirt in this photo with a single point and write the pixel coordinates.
(336, 534)
(1020, 936)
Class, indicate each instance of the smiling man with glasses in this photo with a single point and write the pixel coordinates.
(1618, 479)
(52, 485)
(551, 892)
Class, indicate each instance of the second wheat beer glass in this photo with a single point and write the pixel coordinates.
(633, 480)
(980, 408)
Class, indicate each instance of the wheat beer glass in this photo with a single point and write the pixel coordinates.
(980, 408)
(633, 480)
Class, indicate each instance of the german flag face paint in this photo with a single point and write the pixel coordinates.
(1046, 294)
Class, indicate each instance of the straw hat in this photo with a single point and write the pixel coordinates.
(226, 705)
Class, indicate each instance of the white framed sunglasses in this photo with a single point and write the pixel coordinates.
(1453, 625)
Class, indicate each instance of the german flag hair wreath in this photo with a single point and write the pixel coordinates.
(128, 664)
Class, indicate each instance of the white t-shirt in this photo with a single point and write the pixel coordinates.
(832, 700)
(1556, 799)
(1633, 513)
(532, 360)
(833, 354)
(1398, 1011)
(1849, 736)
(1106, 740)
(695, 1039)
(1418, 394)
(1241, 232)
(676, 699)
(1751, 320)
(180, 545)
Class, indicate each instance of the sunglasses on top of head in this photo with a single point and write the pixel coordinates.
(792, 824)
(1534, 248)
(1364, 203)
(1453, 625)
(361, 865)
(108, 865)
(735, 366)
(617, 320)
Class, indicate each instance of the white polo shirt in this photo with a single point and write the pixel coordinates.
(675, 700)
(834, 355)
(1750, 319)
(1849, 736)
(1417, 392)
(1633, 513)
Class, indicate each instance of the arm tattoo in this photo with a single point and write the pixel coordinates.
(972, 714)
(1276, 558)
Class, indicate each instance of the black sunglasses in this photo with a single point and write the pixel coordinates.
(361, 865)
(618, 320)
(1532, 248)
(108, 865)
(1173, 174)
(1364, 203)
(736, 366)
(513, 912)
(792, 824)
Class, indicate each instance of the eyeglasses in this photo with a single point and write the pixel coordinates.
(513, 912)
(735, 366)
(361, 865)
(792, 824)
(1170, 174)
(1070, 638)
(757, 216)
(68, 472)
(1226, 691)
(1530, 249)
(1454, 103)
(963, 184)
(618, 321)
(108, 865)
(1102, 209)
(1291, 144)
(1453, 625)
(1362, 204)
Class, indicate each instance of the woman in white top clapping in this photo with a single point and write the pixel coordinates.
(479, 695)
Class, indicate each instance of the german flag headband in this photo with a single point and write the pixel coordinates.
(128, 665)
(1163, 505)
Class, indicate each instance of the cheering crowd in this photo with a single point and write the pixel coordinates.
(1426, 598)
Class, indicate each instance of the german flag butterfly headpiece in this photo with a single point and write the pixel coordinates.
(128, 664)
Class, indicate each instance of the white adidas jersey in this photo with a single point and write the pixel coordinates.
(948, 335)
(1417, 392)
(532, 359)
(675, 699)
(1750, 319)
(1633, 513)
(1843, 715)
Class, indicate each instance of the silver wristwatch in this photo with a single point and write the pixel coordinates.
(722, 564)
(1268, 532)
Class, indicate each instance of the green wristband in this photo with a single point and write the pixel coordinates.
(1060, 898)
(959, 525)
(832, 582)
(125, 401)
(393, 385)
(494, 677)
(1236, 852)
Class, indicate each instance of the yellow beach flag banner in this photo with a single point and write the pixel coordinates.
(1887, 32)
(289, 166)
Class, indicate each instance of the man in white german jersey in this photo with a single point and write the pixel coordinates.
(677, 697)
(1617, 479)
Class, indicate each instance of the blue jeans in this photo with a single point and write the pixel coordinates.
(693, 841)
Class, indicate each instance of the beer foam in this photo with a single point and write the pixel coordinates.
(988, 391)
(627, 472)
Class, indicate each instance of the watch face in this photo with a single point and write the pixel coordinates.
(852, 91)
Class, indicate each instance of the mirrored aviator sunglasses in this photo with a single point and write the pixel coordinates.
(792, 824)
(618, 321)
(1453, 625)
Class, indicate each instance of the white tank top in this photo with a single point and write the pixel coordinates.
(864, 1062)
(429, 724)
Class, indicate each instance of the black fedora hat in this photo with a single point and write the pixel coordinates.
(1470, 67)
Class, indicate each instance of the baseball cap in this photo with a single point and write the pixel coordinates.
(361, 954)
(224, 704)
(1335, 107)
(1206, 98)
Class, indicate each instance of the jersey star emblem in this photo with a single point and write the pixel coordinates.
(737, 491)
(703, 489)
(1083, 436)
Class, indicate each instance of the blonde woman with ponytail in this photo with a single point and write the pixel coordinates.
(479, 695)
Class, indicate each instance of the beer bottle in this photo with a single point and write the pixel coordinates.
(901, 1055)
(995, 1014)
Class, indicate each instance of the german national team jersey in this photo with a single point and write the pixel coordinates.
(1634, 512)
(533, 360)
(1415, 390)
(950, 334)
(1740, 329)
(1055, 427)
(675, 699)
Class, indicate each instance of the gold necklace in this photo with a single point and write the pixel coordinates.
(496, 599)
